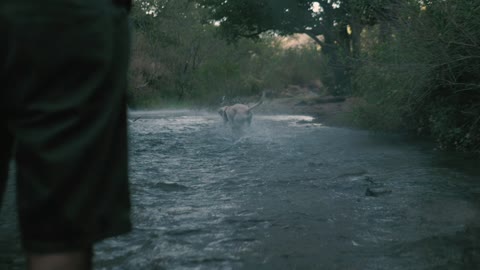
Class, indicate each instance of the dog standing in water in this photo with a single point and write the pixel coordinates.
(238, 116)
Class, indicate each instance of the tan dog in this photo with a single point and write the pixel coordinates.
(238, 116)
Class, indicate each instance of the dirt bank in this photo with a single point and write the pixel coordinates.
(328, 110)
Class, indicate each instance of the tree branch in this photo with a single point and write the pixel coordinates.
(316, 39)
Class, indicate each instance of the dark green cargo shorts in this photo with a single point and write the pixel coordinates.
(63, 68)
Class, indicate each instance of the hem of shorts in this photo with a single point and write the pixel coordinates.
(44, 247)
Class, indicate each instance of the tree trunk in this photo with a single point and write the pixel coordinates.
(344, 41)
(356, 28)
(384, 31)
(340, 76)
(332, 49)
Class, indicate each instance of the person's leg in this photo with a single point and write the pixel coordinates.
(5, 152)
(5, 136)
(79, 260)
(70, 128)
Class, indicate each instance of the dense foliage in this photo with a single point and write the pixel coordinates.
(426, 76)
(334, 25)
(179, 58)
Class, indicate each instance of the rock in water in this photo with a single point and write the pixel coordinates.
(375, 192)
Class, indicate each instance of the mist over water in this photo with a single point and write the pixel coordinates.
(290, 196)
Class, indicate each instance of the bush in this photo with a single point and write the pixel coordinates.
(207, 71)
(426, 77)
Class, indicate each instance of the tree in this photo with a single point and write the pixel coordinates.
(174, 45)
(176, 57)
(334, 25)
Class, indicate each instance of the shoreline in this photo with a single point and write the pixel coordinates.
(327, 110)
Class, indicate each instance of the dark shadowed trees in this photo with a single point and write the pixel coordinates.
(334, 25)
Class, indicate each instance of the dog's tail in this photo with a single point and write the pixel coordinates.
(258, 103)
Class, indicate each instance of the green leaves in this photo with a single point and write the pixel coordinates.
(425, 78)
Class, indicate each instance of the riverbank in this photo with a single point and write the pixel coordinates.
(332, 111)
(326, 109)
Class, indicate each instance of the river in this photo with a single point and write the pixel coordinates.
(286, 195)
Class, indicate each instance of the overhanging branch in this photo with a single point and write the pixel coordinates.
(315, 38)
(251, 35)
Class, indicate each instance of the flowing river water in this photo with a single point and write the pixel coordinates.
(286, 195)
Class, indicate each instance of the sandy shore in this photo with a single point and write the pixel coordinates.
(328, 110)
